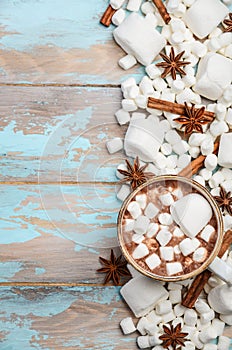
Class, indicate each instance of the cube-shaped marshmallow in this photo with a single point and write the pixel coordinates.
(225, 151)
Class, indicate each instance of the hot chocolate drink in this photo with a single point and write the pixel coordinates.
(168, 228)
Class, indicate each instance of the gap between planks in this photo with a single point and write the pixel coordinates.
(63, 183)
(54, 284)
(114, 86)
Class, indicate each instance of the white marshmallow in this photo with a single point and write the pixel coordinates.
(141, 224)
(128, 83)
(214, 75)
(116, 4)
(167, 253)
(198, 49)
(128, 225)
(166, 149)
(138, 37)
(172, 137)
(179, 310)
(163, 307)
(189, 345)
(114, 145)
(146, 86)
(127, 325)
(137, 238)
(153, 71)
(165, 219)
(188, 329)
(206, 174)
(223, 343)
(134, 209)
(174, 286)
(186, 247)
(129, 105)
(143, 341)
(147, 7)
(227, 173)
(142, 200)
(123, 192)
(194, 152)
(207, 146)
(170, 316)
(174, 268)
(216, 179)
(200, 254)
(142, 325)
(160, 160)
(141, 101)
(122, 117)
(220, 111)
(196, 341)
(227, 319)
(153, 261)
(159, 85)
(177, 86)
(206, 335)
(143, 139)
(218, 326)
(154, 339)
(190, 317)
(219, 299)
(142, 294)
(183, 161)
(210, 161)
(175, 296)
(140, 251)
(201, 306)
(177, 232)
(151, 210)
(152, 317)
(195, 16)
(210, 346)
(134, 5)
(152, 230)
(176, 249)
(165, 125)
(191, 212)
(172, 161)
(207, 317)
(163, 237)
(166, 199)
(217, 128)
(207, 232)
(181, 147)
(225, 150)
(187, 95)
(229, 116)
(118, 17)
(127, 61)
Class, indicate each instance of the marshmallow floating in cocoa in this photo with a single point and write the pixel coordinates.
(204, 16)
(214, 75)
(192, 213)
(138, 37)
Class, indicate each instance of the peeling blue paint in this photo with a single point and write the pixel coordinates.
(39, 271)
(9, 269)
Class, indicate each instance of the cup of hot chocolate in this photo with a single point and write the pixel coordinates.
(170, 228)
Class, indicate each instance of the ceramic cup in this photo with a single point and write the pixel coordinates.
(212, 262)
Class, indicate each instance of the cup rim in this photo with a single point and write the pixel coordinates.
(206, 194)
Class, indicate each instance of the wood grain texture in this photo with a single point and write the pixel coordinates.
(65, 44)
(56, 233)
(63, 318)
(58, 134)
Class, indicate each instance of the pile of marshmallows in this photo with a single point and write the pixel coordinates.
(157, 304)
(192, 212)
(151, 135)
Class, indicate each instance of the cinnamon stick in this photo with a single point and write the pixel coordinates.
(199, 282)
(196, 164)
(162, 10)
(107, 16)
(171, 107)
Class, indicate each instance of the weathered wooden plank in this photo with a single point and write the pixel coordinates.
(58, 133)
(56, 233)
(65, 44)
(63, 318)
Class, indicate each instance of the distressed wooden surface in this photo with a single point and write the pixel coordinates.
(59, 81)
(49, 42)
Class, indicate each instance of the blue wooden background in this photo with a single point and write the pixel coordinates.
(59, 91)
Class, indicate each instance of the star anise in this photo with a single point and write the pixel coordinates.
(228, 23)
(224, 200)
(173, 337)
(135, 174)
(172, 64)
(114, 268)
(193, 119)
